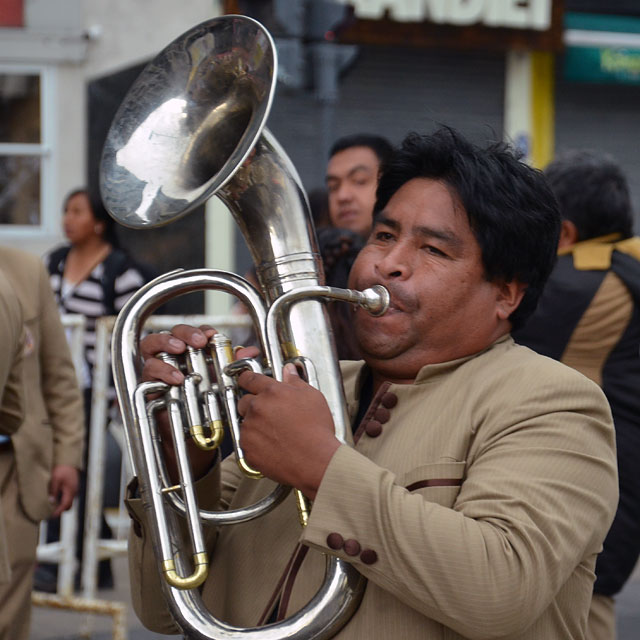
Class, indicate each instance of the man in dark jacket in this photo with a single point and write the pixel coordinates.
(589, 318)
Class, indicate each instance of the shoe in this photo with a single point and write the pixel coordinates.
(45, 579)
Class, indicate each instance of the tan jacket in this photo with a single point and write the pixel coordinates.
(11, 383)
(53, 430)
(479, 509)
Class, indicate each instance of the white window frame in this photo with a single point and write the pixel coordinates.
(45, 149)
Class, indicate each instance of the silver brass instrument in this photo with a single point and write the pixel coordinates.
(192, 126)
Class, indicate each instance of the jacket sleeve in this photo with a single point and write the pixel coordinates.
(11, 376)
(59, 382)
(537, 498)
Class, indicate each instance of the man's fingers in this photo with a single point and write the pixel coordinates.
(255, 382)
(175, 341)
(192, 336)
(66, 498)
(156, 342)
(290, 373)
(246, 352)
(244, 403)
(156, 369)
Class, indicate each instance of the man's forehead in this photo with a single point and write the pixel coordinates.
(352, 159)
(439, 209)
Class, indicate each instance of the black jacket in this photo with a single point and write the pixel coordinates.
(560, 322)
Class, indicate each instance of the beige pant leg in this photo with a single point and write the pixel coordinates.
(22, 540)
(601, 624)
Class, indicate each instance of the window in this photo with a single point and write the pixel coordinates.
(24, 149)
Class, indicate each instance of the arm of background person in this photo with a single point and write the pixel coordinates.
(11, 378)
(62, 397)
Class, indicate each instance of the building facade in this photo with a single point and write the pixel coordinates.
(382, 66)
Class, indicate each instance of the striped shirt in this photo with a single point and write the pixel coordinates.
(89, 298)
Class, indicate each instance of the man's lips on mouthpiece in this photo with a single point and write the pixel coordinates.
(394, 303)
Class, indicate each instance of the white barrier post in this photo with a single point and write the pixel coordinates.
(62, 552)
(96, 457)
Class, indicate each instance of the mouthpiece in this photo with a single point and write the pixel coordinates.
(375, 300)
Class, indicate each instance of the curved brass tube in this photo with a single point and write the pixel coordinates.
(207, 443)
(198, 576)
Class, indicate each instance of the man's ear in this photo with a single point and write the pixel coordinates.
(509, 296)
(568, 234)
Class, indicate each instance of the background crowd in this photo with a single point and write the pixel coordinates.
(587, 317)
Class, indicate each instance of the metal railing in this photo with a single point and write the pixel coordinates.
(104, 418)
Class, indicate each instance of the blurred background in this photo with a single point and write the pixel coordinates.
(545, 74)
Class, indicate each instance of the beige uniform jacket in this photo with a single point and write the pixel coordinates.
(477, 511)
(53, 431)
(11, 383)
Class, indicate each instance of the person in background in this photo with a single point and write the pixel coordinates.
(11, 403)
(319, 206)
(352, 175)
(46, 452)
(339, 248)
(482, 477)
(342, 215)
(91, 276)
(589, 318)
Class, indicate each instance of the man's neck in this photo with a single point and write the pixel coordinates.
(392, 371)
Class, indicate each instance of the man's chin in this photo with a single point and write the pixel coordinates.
(379, 345)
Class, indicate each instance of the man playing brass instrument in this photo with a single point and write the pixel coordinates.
(482, 477)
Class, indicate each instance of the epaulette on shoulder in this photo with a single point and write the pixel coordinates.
(595, 254)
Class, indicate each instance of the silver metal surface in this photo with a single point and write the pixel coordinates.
(193, 126)
(343, 587)
(188, 121)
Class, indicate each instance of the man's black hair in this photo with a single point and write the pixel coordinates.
(593, 193)
(510, 207)
(379, 145)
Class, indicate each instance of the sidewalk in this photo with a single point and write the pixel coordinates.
(62, 624)
(53, 624)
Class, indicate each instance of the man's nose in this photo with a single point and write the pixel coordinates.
(344, 192)
(396, 262)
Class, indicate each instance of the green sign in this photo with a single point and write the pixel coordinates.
(605, 63)
(602, 64)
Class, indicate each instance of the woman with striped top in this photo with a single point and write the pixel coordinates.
(91, 276)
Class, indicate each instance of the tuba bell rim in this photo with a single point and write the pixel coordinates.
(138, 182)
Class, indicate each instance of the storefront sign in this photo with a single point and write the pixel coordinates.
(602, 48)
(513, 14)
(601, 64)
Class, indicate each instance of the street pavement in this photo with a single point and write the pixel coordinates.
(58, 624)
(53, 624)
(628, 608)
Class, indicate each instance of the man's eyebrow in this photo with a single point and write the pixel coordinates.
(358, 167)
(422, 230)
(382, 218)
(441, 234)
